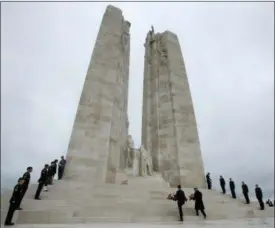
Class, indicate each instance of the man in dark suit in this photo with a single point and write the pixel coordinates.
(181, 199)
(245, 192)
(208, 181)
(259, 196)
(199, 205)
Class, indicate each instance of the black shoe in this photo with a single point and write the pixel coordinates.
(9, 224)
(205, 217)
(19, 208)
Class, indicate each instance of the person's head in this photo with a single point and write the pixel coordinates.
(29, 169)
(52, 163)
(21, 181)
(256, 186)
(62, 157)
(46, 166)
(55, 161)
(208, 173)
(179, 187)
(242, 182)
(220, 176)
(195, 189)
(230, 179)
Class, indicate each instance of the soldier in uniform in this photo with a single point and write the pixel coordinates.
(209, 181)
(181, 199)
(222, 183)
(245, 192)
(232, 188)
(16, 196)
(26, 177)
(61, 167)
(42, 180)
(51, 173)
(55, 167)
(259, 196)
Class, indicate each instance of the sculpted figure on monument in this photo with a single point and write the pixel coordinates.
(146, 162)
(129, 151)
(125, 35)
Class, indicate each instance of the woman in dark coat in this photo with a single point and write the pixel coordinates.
(199, 206)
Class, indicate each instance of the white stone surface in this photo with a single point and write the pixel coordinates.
(169, 129)
(255, 223)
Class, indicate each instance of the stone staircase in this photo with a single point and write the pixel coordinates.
(143, 199)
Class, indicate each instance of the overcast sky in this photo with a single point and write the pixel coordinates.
(228, 50)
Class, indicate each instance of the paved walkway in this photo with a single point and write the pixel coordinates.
(257, 223)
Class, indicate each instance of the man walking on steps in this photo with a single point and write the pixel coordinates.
(199, 205)
(259, 196)
(181, 199)
(232, 188)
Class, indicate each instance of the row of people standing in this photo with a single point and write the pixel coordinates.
(20, 189)
(245, 190)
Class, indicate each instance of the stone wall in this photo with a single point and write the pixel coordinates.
(169, 128)
(100, 128)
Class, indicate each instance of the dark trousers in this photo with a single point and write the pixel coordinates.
(60, 172)
(233, 193)
(11, 211)
(261, 203)
(202, 211)
(209, 184)
(39, 189)
(246, 197)
(24, 190)
(223, 189)
(180, 211)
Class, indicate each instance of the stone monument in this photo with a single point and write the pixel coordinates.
(169, 129)
(100, 128)
(95, 187)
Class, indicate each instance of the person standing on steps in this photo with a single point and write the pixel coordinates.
(25, 186)
(245, 192)
(14, 200)
(259, 196)
(55, 167)
(199, 205)
(181, 199)
(232, 188)
(222, 183)
(208, 181)
(42, 180)
(61, 167)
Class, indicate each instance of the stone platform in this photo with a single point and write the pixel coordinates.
(142, 200)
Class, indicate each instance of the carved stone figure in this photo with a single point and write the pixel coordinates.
(125, 35)
(145, 162)
(129, 152)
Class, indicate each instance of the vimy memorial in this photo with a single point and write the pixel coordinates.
(106, 178)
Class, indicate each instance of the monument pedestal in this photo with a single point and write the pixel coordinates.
(143, 199)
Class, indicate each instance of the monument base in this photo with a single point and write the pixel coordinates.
(141, 200)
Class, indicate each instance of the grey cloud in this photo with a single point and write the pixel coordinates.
(228, 51)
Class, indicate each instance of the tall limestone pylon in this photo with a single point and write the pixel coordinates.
(169, 128)
(100, 128)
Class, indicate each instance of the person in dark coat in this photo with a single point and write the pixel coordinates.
(245, 192)
(222, 183)
(25, 186)
(232, 188)
(51, 173)
(259, 196)
(199, 205)
(42, 180)
(14, 200)
(61, 167)
(208, 181)
(181, 199)
(269, 203)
